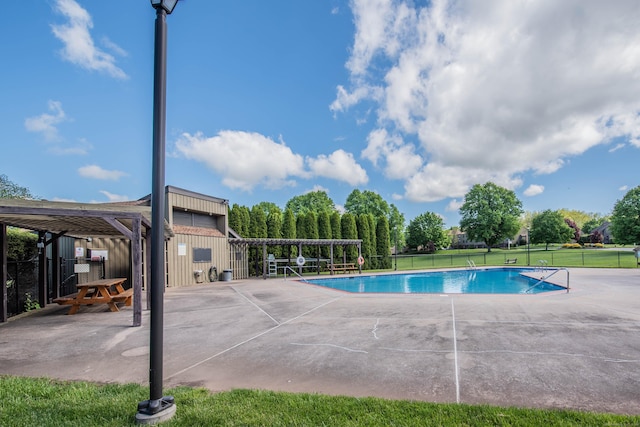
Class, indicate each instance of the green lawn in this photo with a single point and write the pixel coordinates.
(555, 258)
(43, 402)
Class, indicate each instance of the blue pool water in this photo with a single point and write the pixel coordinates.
(479, 281)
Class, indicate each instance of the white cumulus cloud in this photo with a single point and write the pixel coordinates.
(340, 166)
(79, 47)
(246, 160)
(400, 159)
(114, 197)
(46, 122)
(492, 91)
(96, 172)
(534, 190)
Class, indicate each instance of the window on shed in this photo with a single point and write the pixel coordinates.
(195, 219)
(201, 254)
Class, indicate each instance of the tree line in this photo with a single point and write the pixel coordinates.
(367, 216)
(489, 214)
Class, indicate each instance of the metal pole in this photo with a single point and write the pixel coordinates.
(395, 252)
(157, 404)
(157, 204)
(528, 247)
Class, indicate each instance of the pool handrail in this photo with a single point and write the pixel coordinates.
(284, 271)
(544, 278)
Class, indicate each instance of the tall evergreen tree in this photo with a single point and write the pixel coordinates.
(349, 231)
(324, 232)
(364, 233)
(257, 223)
(301, 231)
(372, 242)
(245, 220)
(336, 233)
(239, 219)
(383, 247)
(274, 229)
(310, 225)
(289, 231)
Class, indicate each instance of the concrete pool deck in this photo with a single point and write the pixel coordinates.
(578, 350)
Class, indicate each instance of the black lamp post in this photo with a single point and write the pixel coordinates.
(158, 408)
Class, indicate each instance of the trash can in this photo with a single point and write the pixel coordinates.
(227, 275)
(198, 276)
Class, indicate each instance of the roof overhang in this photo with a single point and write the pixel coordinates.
(77, 219)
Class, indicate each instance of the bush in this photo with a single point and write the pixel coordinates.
(572, 246)
(21, 244)
(593, 245)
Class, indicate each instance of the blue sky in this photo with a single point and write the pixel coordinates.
(415, 100)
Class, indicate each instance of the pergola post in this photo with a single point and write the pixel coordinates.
(147, 271)
(55, 266)
(331, 258)
(3, 272)
(264, 261)
(42, 269)
(136, 273)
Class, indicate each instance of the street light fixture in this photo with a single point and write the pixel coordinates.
(158, 408)
(166, 5)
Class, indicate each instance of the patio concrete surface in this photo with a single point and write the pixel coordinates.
(578, 350)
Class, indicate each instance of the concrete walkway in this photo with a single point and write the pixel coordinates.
(578, 350)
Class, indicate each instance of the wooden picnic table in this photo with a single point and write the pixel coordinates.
(103, 291)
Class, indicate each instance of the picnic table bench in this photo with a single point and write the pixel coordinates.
(511, 260)
(103, 291)
(345, 268)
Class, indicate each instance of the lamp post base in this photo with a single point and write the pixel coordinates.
(156, 411)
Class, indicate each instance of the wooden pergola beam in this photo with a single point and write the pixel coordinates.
(88, 220)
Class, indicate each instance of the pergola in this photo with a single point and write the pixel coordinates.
(81, 220)
(264, 242)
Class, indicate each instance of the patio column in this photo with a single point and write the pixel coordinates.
(4, 247)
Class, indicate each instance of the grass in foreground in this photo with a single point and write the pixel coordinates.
(44, 402)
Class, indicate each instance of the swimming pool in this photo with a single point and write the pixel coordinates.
(478, 281)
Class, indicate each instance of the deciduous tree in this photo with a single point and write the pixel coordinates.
(625, 219)
(366, 202)
(426, 231)
(490, 214)
(314, 201)
(11, 190)
(549, 227)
